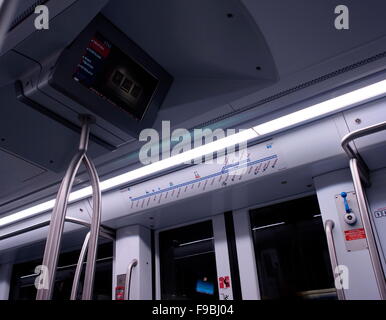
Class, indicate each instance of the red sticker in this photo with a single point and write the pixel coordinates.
(119, 293)
(224, 282)
(355, 234)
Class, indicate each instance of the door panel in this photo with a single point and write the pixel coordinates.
(291, 251)
(188, 263)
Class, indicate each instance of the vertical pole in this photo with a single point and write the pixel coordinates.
(94, 231)
(365, 215)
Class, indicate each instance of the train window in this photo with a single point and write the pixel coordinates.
(187, 263)
(23, 276)
(291, 251)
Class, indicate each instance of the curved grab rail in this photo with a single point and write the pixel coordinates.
(363, 169)
(104, 231)
(51, 252)
(129, 272)
(79, 267)
(358, 134)
(360, 173)
(329, 226)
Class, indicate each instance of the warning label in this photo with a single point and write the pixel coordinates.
(224, 282)
(355, 234)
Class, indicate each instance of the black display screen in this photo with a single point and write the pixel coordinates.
(114, 76)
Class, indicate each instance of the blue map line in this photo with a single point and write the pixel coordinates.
(224, 170)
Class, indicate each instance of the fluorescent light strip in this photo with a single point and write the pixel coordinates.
(27, 212)
(324, 108)
(310, 113)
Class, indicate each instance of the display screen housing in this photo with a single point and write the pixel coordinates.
(112, 75)
(105, 74)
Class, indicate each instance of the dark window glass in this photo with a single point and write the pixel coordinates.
(188, 263)
(23, 277)
(291, 251)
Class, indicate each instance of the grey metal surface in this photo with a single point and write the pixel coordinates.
(129, 273)
(79, 267)
(329, 226)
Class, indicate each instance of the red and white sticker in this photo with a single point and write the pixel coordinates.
(224, 282)
(119, 293)
(355, 234)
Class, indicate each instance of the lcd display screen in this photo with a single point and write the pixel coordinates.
(111, 74)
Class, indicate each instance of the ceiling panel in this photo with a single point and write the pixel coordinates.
(301, 33)
(15, 172)
(200, 38)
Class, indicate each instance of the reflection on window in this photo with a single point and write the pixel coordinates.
(23, 277)
(188, 264)
(291, 251)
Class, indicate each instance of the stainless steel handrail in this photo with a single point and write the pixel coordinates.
(329, 226)
(104, 232)
(129, 272)
(360, 173)
(364, 171)
(51, 252)
(79, 267)
(358, 134)
(94, 230)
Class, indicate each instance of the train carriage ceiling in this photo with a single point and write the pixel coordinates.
(225, 55)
